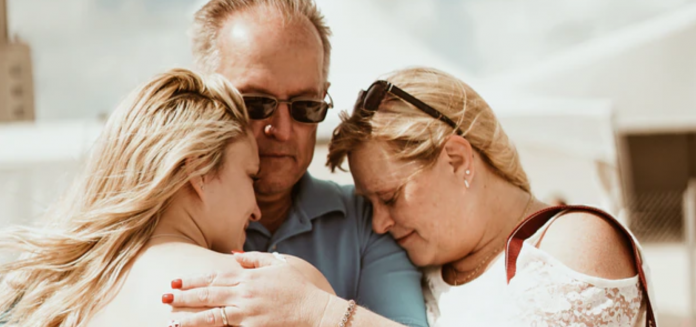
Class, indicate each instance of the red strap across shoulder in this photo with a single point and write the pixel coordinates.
(533, 223)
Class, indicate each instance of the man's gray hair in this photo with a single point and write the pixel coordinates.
(210, 19)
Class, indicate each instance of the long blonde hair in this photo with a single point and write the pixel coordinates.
(414, 135)
(174, 128)
(210, 19)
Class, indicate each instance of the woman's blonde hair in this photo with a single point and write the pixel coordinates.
(174, 128)
(414, 135)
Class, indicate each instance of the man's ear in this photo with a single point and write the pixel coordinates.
(459, 154)
(327, 85)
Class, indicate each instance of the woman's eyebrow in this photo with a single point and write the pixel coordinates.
(391, 191)
(386, 190)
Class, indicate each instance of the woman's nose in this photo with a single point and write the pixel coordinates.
(256, 214)
(381, 221)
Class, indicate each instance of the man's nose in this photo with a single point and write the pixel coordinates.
(281, 122)
(381, 221)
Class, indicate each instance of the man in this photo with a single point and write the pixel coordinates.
(276, 52)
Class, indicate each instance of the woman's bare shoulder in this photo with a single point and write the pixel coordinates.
(138, 301)
(186, 258)
(590, 245)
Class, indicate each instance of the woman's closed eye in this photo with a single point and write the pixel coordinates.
(389, 200)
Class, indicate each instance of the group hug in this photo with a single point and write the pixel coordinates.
(194, 207)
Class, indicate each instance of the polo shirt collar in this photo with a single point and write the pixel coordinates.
(312, 198)
(316, 198)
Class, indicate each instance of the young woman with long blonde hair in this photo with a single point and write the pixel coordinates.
(166, 191)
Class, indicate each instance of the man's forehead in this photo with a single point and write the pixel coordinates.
(264, 30)
(260, 58)
(259, 84)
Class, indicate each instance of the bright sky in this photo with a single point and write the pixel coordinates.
(88, 54)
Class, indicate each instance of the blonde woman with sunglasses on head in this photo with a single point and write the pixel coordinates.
(167, 191)
(447, 183)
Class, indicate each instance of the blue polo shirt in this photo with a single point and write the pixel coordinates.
(331, 228)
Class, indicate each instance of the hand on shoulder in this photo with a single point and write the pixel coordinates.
(307, 272)
(590, 245)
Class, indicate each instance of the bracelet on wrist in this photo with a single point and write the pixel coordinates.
(348, 314)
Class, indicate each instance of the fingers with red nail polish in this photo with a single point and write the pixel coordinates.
(167, 298)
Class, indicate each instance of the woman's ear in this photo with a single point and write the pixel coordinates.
(459, 154)
(197, 182)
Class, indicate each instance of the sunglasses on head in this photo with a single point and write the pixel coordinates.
(302, 110)
(371, 99)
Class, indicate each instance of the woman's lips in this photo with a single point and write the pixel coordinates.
(404, 239)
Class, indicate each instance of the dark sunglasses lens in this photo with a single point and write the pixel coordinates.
(359, 102)
(309, 111)
(374, 96)
(260, 107)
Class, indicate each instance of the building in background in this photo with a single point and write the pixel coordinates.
(16, 83)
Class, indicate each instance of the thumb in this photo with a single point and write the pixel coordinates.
(253, 260)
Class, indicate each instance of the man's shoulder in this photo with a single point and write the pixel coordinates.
(332, 188)
(325, 192)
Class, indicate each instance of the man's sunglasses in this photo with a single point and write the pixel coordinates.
(371, 99)
(302, 110)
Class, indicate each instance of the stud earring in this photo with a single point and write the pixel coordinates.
(467, 172)
(267, 129)
(466, 183)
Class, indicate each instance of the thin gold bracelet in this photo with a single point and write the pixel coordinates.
(348, 314)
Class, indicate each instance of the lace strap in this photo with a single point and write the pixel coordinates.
(533, 223)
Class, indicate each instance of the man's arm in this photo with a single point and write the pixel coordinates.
(390, 285)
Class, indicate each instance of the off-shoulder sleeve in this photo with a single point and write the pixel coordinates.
(545, 292)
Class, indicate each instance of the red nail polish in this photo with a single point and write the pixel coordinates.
(167, 298)
(177, 284)
(237, 252)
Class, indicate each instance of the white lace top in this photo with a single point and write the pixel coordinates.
(544, 292)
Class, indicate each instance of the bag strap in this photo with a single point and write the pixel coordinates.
(533, 223)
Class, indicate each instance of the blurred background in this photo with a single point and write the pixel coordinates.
(598, 95)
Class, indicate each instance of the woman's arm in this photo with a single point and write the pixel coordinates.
(269, 293)
(591, 281)
(336, 309)
(590, 245)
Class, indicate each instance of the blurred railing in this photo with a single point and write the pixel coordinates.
(690, 231)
